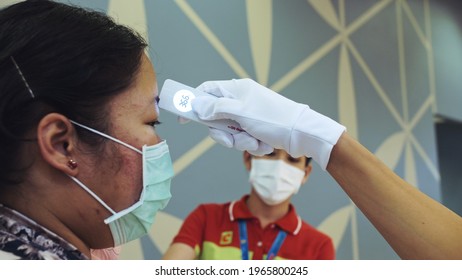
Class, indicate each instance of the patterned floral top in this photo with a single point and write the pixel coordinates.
(22, 238)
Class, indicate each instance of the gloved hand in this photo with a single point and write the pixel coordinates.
(241, 141)
(269, 118)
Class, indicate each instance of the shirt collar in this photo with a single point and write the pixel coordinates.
(290, 223)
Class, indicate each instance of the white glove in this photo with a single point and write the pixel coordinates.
(269, 117)
(241, 141)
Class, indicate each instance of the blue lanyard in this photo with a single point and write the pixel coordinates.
(277, 243)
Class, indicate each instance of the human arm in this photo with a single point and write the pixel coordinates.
(186, 244)
(179, 251)
(415, 225)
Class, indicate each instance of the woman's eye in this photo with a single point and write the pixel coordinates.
(154, 123)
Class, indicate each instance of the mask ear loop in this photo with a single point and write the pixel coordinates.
(93, 195)
(107, 136)
(125, 211)
(23, 78)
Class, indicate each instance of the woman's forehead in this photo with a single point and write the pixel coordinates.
(141, 96)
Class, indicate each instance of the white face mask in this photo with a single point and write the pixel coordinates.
(275, 180)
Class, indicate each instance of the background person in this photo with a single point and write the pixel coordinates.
(261, 225)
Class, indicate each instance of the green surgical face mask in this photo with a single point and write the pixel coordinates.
(136, 220)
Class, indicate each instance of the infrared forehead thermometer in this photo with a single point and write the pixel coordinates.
(176, 98)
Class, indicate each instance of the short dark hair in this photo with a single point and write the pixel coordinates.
(308, 160)
(74, 60)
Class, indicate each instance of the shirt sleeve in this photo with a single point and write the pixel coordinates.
(192, 231)
(327, 251)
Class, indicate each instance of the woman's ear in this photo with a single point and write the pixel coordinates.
(56, 141)
(247, 157)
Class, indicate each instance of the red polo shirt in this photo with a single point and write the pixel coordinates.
(213, 231)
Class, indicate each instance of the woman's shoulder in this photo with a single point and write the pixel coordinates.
(23, 238)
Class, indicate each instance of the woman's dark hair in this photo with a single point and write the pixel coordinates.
(74, 60)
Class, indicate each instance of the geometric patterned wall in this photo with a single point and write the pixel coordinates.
(447, 49)
(367, 64)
